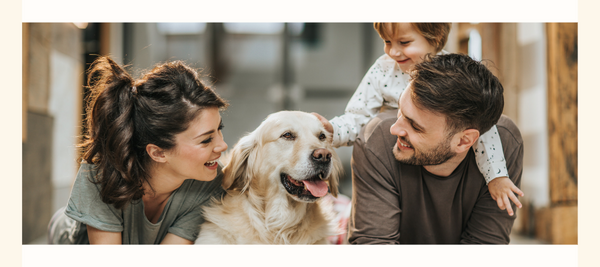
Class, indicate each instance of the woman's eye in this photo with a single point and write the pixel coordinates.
(288, 135)
(207, 141)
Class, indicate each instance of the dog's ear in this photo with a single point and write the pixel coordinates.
(337, 171)
(236, 174)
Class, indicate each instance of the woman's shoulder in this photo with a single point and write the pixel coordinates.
(87, 171)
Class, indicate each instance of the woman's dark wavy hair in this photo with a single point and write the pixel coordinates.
(462, 89)
(125, 115)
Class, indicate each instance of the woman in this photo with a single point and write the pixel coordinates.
(150, 159)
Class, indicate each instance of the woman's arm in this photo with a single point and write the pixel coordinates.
(171, 239)
(99, 237)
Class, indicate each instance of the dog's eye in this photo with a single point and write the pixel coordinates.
(322, 136)
(288, 135)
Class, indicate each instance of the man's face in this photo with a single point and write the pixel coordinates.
(422, 137)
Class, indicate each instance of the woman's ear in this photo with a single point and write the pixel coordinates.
(156, 153)
(467, 139)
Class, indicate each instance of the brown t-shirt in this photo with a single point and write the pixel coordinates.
(395, 203)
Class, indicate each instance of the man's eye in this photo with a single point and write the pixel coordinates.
(288, 135)
(415, 128)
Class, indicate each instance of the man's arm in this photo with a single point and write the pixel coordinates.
(375, 217)
(487, 223)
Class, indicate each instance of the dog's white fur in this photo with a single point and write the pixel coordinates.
(257, 209)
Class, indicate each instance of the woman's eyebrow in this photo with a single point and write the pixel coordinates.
(208, 132)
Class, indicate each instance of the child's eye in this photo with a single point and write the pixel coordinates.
(404, 43)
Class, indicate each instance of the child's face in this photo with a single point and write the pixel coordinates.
(407, 46)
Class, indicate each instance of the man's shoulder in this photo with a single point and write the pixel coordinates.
(508, 131)
(380, 124)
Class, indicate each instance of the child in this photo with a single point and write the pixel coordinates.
(406, 44)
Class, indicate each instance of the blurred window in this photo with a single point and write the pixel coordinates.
(262, 28)
(181, 28)
(475, 44)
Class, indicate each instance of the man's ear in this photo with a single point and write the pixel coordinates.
(156, 153)
(468, 137)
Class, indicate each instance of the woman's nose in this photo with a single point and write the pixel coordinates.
(222, 146)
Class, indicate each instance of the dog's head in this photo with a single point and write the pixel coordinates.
(291, 153)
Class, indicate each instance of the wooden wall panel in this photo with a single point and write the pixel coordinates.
(562, 111)
(25, 72)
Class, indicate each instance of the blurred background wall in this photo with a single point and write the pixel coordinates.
(261, 68)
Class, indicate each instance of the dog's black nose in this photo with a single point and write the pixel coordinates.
(321, 155)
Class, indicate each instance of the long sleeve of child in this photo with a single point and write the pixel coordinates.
(381, 87)
(489, 155)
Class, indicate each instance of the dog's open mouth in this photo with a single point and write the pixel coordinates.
(312, 188)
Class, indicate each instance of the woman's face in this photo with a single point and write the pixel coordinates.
(197, 149)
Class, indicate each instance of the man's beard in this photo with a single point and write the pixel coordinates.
(440, 154)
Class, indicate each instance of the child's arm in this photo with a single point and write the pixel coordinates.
(377, 89)
(491, 163)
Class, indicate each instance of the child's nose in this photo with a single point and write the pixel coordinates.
(395, 51)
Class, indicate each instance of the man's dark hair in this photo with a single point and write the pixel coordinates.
(462, 89)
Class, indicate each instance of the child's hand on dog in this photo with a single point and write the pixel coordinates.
(501, 190)
(325, 122)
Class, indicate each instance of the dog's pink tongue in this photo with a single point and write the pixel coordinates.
(316, 188)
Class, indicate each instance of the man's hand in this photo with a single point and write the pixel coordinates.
(325, 122)
(501, 190)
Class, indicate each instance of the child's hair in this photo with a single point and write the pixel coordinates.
(462, 89)
(435, 33)
(125, 115)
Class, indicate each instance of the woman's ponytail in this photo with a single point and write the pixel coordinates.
(111, 129)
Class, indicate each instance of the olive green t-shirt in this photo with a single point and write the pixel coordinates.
(181, 216)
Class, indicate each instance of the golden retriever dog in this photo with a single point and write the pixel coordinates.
(275, 180)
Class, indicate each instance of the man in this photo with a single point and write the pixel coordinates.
(414, 175)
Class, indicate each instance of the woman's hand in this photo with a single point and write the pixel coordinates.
(502, 190)
(325, 122)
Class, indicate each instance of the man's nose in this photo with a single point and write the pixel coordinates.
(397, 128)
